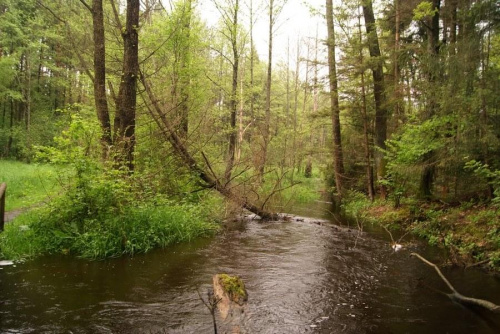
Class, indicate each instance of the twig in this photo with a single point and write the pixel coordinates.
(211, 304)
(86, 5)
(390, 234)
(478, 263)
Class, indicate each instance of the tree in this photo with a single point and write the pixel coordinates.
(379, 94)
(124, 122)
(230, 21)
(101, 102)
(338, 160)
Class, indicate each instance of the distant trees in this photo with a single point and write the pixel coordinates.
(429, 106)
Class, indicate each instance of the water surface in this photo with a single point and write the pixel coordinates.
(301, 276)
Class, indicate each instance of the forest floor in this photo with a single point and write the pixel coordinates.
(470, 232)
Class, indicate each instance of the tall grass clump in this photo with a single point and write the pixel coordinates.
(103, 215)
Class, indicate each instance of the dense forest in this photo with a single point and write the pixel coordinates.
(398, 103)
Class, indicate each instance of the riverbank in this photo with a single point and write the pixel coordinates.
(100, 213)
(470, 231)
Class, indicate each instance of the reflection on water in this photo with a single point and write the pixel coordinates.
(301, 277)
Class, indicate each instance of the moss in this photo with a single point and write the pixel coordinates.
(234, 287)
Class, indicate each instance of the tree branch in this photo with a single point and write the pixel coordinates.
(117, 16)
(88, 7)
(455, 295)
(51, 12)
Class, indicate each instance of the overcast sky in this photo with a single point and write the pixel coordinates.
(295, 20)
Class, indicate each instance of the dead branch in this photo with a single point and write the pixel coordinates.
(455, 295)
(211, 305)
(478, 263)
(390, 234)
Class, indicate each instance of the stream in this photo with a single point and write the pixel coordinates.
(302, 276)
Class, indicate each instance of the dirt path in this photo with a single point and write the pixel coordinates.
(10, 215)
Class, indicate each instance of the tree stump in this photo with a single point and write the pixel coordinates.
(231, 292)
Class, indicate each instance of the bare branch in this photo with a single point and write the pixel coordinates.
(117, 16)
(455, 295)
(51, 12)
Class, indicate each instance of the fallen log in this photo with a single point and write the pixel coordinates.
(231, 292)
(455, 295)
(211, 180)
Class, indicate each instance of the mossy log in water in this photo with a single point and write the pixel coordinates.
(234, 287)
(231, 292)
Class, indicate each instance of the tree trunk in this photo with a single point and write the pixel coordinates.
(429, 159)
(101, 103)
(379, 94)
(338, 161)
(234, 92)
(366, 124)
(267, 125)
(295, 107)
(184, 80)
(125, 110)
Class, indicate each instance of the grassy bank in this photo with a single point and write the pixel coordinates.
(29, 184)
(469, 231)
(104, 213)
(135, 230)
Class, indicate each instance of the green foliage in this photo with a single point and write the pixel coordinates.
(17, 241)
(416, 140)
(79, 138)
(492, 177)
(424, 9)
(355, 204)
(99, 216)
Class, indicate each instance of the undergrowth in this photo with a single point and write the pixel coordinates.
(102, 215)
(470, 230)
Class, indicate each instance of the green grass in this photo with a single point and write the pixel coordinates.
(16, 241)
(28, 184)
(136, 230)
(102, 213)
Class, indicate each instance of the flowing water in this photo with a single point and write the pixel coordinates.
(301, 276)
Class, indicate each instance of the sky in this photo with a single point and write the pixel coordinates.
(294, 21)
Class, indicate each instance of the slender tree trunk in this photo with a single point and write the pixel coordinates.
(287, 106)
(241, 130)
(379, 94)
(252, 60)
(4, 111)
(295, 107)
(234, 93)
(100, 99)
(184, 80)
(267, 125)
(398, 112)
(127, 95)
(27, 116)
(366, 124)
(427, 176)
(338, 160)
(11, 128)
